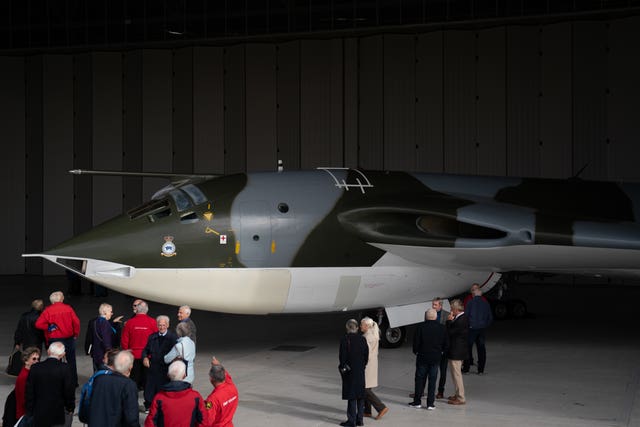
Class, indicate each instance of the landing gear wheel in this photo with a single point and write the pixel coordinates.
(392, 337)
(500, 310)
(517, 309)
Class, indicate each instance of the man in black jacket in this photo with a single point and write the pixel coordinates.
(114, 400)
(158, 344)
(458, 331)
(429, 342)
(50, 394)
(27, 335)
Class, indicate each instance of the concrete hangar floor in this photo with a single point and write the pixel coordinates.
(575, 363)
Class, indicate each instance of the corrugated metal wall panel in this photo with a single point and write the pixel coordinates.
(459, 102)
(623, 101)
(107, 134)
(491, 106)
(336, 112)
(12, 185)
(208, 110)
(351, 72)
(317, 94)
(182, 126)
(132, 143)
(371, 118)
(429, 105)
(261, 107)
(555, 102)
(157, 100)
(523, 103)
(57, 132)
(83, 140)
(34, 222)
(589, 99)
(235, 135)
(399, 102)
(288, 104)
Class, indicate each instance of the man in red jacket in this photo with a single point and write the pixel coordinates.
(176, 404)
(61, 324)
(222, 403)
(134, 337)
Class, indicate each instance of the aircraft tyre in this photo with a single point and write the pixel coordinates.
(392, 337)
(517, 309)
(500, 310)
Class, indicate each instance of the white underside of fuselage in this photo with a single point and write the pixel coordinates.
(284, 290)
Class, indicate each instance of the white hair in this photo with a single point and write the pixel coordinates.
(142, 307)
(177, 371)
(56, 349)
(372, 327)
(56, 296)
(163, 317)
(186, 309)
(104, 308)
(431, 314)
(123, 362)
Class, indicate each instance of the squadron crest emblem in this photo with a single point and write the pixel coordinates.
(168, 247)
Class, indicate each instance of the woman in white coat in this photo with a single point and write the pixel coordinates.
(185, 349)
(371, 333)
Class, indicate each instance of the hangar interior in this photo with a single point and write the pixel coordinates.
(528, 88)
(534, 88)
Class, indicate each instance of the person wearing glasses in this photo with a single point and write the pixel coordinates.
(30, 356)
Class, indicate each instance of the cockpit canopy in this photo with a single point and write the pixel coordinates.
(184, 198)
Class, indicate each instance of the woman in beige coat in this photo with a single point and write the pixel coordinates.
(371, 333)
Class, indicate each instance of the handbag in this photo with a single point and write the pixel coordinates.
(15, 363)
(180, 356)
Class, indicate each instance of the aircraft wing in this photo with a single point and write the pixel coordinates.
(457, 232)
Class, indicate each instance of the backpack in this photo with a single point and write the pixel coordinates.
(84, 406)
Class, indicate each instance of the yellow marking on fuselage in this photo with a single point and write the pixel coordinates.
(237, 247)
(208, 216)
(273, 246)
(210, 230)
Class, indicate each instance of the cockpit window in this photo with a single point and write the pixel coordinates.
(150, 207)
(182, 202)
(195, 193)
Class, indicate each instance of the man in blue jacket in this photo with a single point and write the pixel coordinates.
(478, 312)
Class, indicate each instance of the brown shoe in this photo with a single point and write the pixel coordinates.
(367, 414)
(381, 413)
(456, 402)
(439, 396)
(452, 397)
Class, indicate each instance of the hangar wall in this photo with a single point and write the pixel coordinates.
(538, 100)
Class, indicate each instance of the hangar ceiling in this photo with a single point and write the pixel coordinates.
(37, 25)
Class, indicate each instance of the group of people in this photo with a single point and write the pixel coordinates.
(444, 341)
(143, 354)
(441, 344)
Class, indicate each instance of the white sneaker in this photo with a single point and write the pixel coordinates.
(431, 408)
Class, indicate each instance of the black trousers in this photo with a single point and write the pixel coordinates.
(372, 400)
(139, 374)
(355, 409)
(444, 362)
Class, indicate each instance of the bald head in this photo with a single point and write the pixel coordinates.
(431, 314)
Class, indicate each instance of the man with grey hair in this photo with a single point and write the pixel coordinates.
(176, 404)
(50, 394)
(135, 335)
(184, 316)
(442, 315)
(61, 324)
(114, 400)
(103, 335)
(222, 403)
(353, 356)
(429, 343)
(158, 344)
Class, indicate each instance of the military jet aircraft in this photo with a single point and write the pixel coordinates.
(336, 239)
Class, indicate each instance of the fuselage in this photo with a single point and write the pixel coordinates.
(340, 239)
